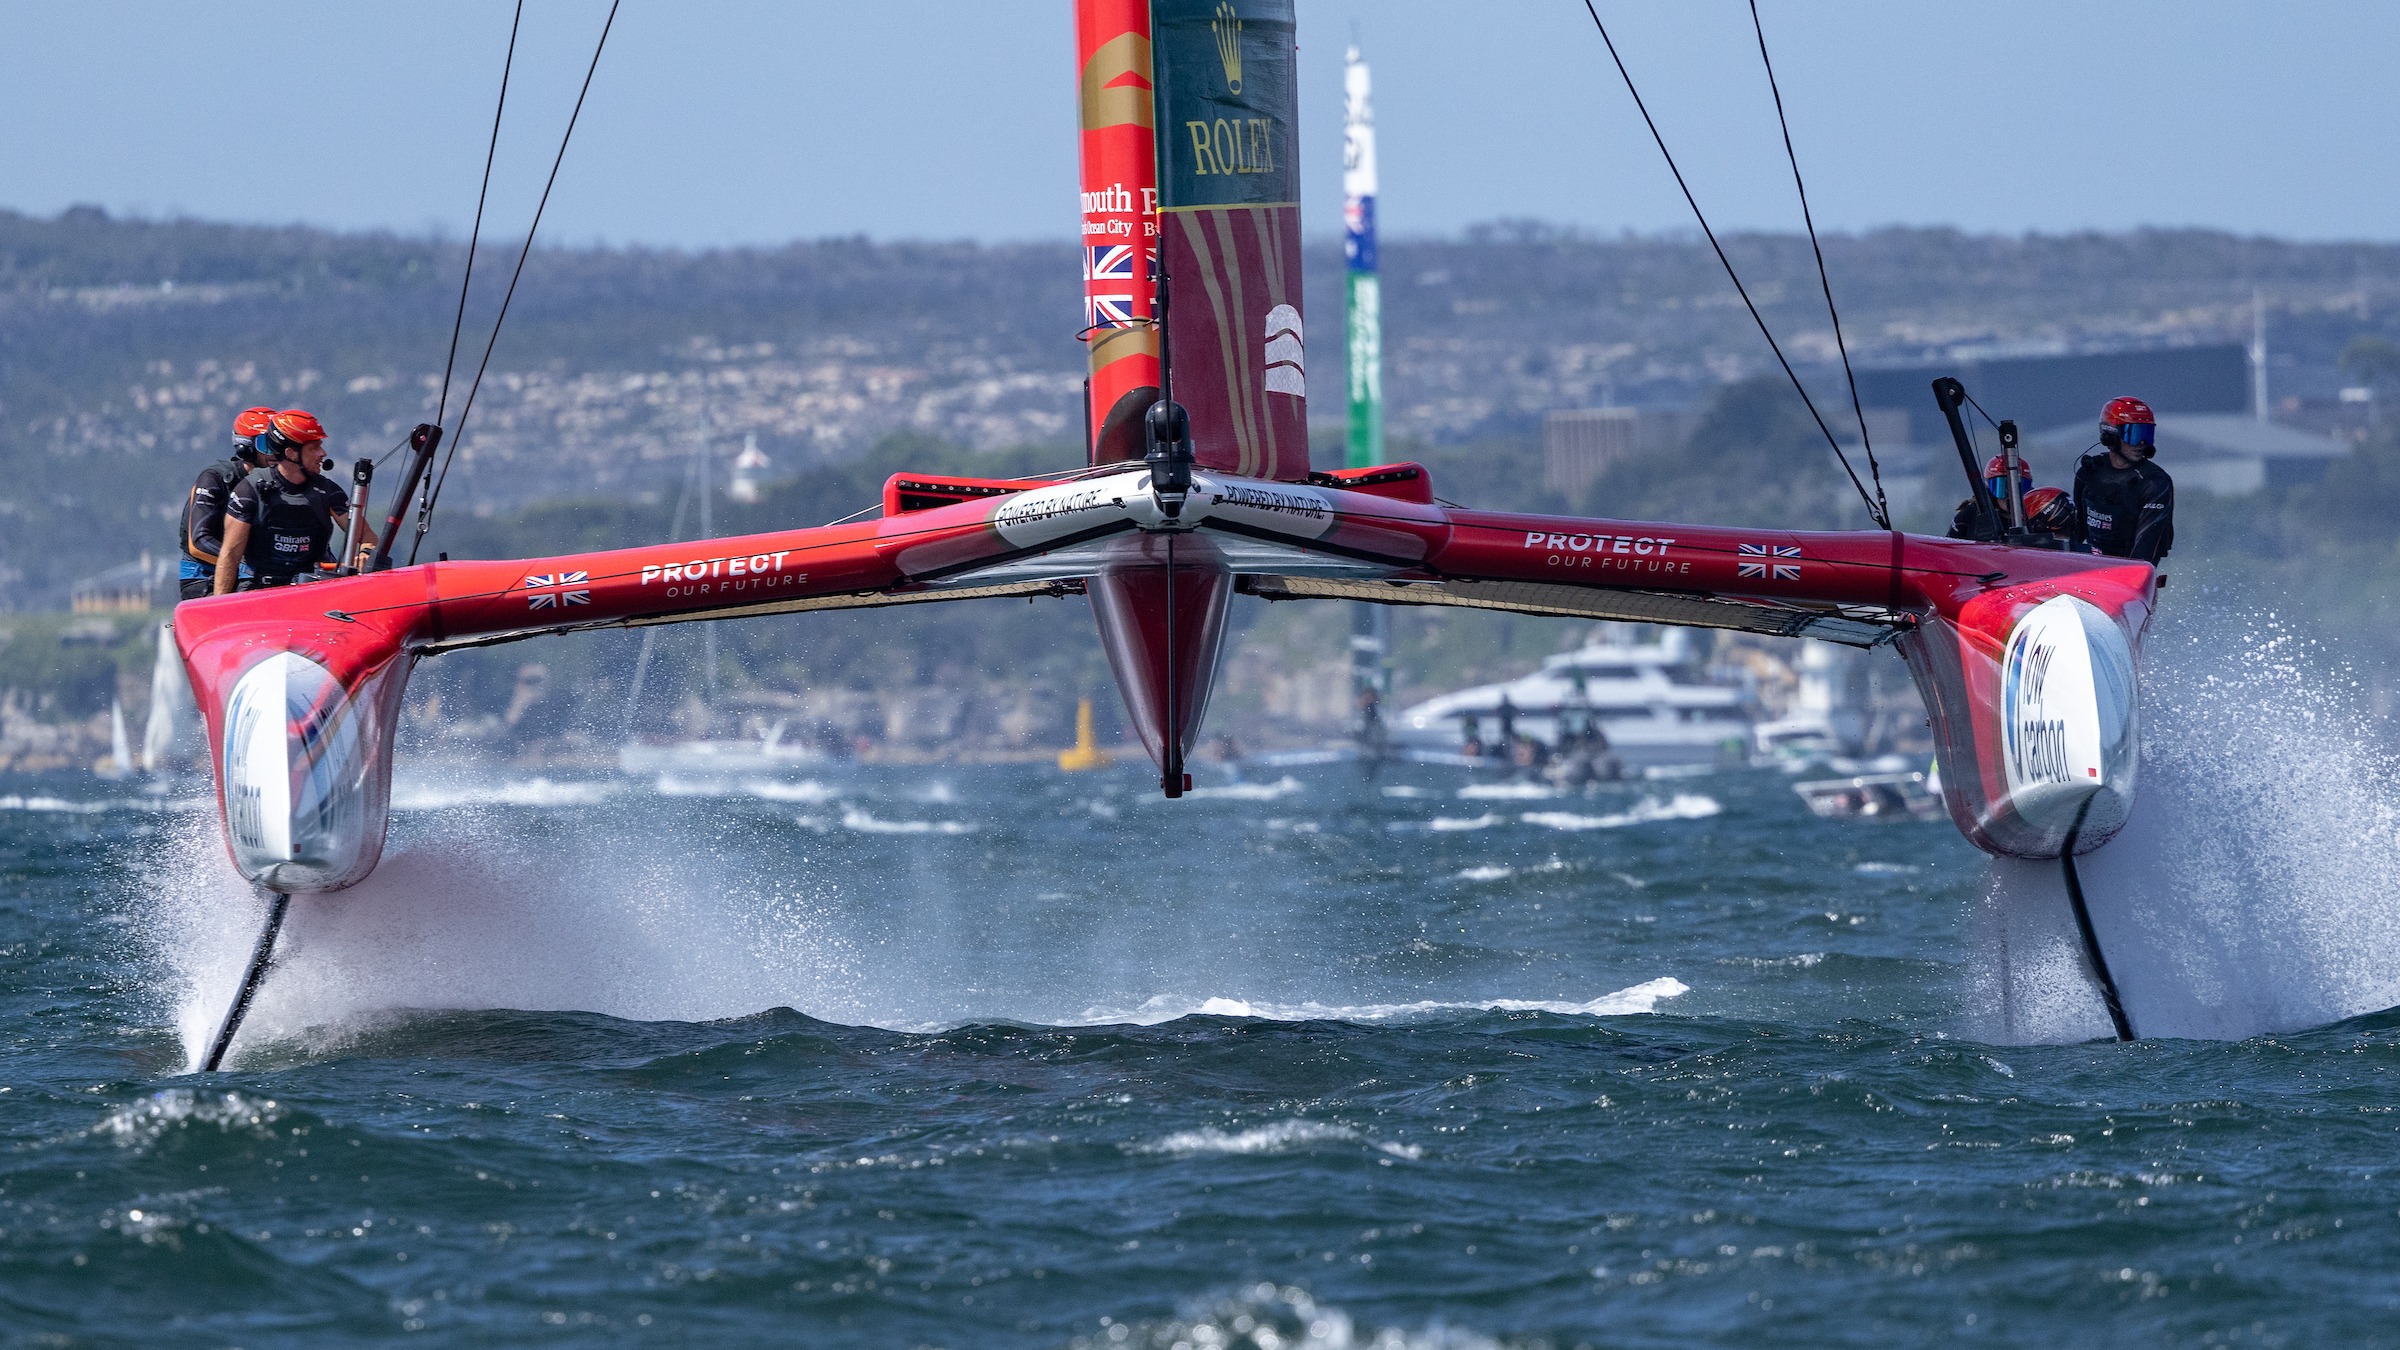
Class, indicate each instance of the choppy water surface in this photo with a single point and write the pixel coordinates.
(1002, 1057)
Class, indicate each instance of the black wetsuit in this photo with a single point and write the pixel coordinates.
(201, 532)
(291, 524)
(2126, 513)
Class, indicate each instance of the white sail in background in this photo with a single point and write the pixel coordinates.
(170, 736)
(120, 751)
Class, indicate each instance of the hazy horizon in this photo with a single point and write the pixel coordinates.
(440, 234)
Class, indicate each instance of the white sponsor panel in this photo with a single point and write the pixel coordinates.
(2067, 729)
(1045, 515)
(295, 790)
(1292, 509)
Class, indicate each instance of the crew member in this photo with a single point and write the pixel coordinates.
(202, 529)
(2050, 513)
(283, 518)
(2125, 502)
(1995, 477)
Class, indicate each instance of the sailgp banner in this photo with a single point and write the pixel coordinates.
(1226, 115)
(1362, 291)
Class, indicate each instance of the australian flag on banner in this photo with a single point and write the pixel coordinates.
(1765, 570)
(549, 591)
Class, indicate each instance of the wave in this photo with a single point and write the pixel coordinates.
(56, 804)
(1281, 1137)
(1627, 1002)
(144, 1122)
(807, 791)
(68, 807)
(1249, 792)
(1797, 961)
(1450, 824)
(1647, 811)
(854, 818)
(1507, 792)
(537, 792)
(1286, 1317)
(1502, 872)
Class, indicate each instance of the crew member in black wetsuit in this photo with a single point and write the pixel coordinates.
(2126, 503)
(283, 518)
(201, 532)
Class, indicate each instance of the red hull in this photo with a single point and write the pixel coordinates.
(1956, 604)
(1162, 622)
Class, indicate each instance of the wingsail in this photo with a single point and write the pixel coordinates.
(1227, 114)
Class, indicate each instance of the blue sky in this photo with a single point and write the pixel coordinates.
(743, 122)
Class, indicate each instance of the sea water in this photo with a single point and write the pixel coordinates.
(1003, 1057)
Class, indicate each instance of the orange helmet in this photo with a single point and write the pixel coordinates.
(246, 430)
(288, 431)
(2048, 509)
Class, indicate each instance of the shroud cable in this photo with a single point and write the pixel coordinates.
(1744, 291)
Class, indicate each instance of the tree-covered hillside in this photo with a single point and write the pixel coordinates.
(127, 345)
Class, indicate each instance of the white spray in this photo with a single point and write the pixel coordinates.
(2256, 888)
(490, 914)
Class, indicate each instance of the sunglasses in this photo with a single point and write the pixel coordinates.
(2138, 436)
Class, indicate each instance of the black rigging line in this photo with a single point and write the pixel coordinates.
(474, 236)
(434, 497)
(1882, 509)
(1738, 287)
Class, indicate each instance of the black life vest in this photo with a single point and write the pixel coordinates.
(291, 524)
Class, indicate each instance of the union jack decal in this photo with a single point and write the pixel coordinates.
(1114, 263)
(1764, 570)
(1108, 311)
(549, 591)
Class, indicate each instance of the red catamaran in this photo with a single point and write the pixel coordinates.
(1198, 487)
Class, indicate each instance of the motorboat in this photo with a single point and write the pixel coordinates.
(1655, 704)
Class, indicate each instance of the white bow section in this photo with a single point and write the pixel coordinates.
(296, 808)
(2067, 705)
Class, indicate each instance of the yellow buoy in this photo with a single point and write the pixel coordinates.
(1086, 752)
